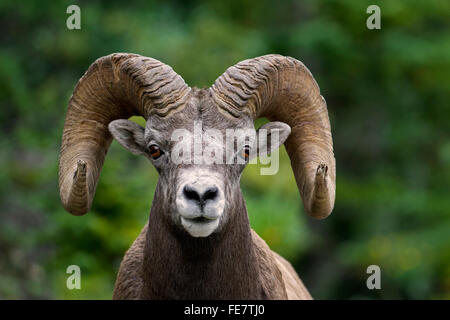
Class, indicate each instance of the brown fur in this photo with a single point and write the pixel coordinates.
(129, 281)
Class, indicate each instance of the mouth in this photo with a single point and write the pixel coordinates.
(200, 226)
(200, 219)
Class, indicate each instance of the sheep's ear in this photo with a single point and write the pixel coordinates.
(129, 134)
(271, 136)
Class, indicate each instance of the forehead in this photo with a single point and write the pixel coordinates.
(199, 110)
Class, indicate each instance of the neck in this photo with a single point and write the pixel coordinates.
(221, 266)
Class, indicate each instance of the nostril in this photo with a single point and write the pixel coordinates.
(210, 194)
(191, 194)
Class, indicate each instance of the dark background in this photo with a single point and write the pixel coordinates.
(388, 97)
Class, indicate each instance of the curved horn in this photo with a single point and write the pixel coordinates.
(283, 89)
(115, 86)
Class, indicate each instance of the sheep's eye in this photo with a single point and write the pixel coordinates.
(246, 152)
(155, 151)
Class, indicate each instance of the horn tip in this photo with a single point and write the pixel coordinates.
(322, 200)
(77, 201)
(81, 164)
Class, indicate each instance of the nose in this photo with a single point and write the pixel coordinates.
(193, 194)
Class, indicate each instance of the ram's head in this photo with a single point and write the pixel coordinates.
(198, 189)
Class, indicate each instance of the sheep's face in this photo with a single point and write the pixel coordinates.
(200, 156)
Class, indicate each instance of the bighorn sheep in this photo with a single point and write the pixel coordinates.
(198, 242)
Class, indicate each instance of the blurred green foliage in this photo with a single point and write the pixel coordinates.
(388, 97)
